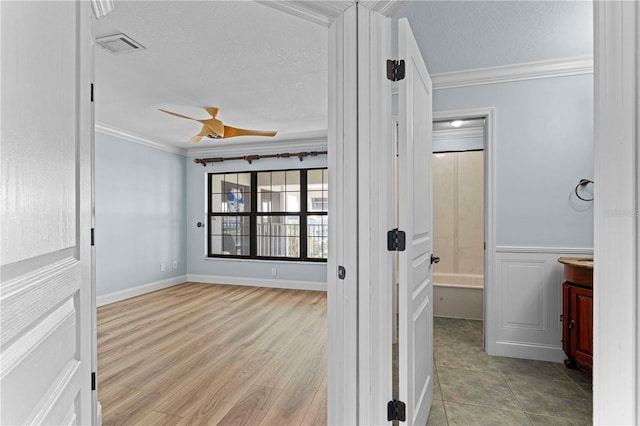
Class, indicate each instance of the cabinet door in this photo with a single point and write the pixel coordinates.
(582, 332)
(566, 319)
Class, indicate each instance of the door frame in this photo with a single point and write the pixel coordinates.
(616, 333)
(490, 295)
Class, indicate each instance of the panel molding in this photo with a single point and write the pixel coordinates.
(541, 341)
(117, 296)
(258, 282)
(562, 67)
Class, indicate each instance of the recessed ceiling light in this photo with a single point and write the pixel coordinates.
(119, 43)
(457, 123)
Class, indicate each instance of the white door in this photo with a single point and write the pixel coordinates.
(415, 218)
(46, 143)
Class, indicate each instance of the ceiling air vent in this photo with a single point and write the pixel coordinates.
(119, 43)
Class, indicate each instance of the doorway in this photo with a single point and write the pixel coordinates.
(483, 121)
(458, 217)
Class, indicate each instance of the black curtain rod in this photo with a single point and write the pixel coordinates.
(251, 158)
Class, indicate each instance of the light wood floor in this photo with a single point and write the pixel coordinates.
(213, 354)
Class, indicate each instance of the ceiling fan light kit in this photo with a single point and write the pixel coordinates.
(216, 129)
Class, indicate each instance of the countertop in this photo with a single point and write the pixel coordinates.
(580, 262)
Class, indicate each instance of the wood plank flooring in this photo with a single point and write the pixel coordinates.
(214, 354)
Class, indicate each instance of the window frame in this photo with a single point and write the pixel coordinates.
(253, 213)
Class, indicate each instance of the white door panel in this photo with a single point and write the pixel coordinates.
(46, 142)
(416, 286)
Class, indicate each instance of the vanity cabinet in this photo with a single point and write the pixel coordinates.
(577, 313)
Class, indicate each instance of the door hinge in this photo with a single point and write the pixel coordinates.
(93, 239)
(396, 240)
(91, 92)
(396, 410)
(93, 381)
(395, 69)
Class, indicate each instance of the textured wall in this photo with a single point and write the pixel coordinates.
(140, 214)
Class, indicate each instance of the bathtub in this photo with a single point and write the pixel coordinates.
(458, 295)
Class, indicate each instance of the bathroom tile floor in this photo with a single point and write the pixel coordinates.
(473, 388)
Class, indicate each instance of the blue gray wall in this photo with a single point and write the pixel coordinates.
(140, 206)
(543, 147)
(308, 274)
(544, 128)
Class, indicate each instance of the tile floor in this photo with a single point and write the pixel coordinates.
(472, 388)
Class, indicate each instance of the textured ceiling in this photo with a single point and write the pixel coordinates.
(263, 68)
(462, 35)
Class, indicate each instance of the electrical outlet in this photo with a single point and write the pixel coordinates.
(175, 264)
(274, 272)
(163, 267)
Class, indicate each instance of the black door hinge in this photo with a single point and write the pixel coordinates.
(93, 240)
(395, 69)
(396, 410)
(93, 381)
(396, 240)
(91, 92)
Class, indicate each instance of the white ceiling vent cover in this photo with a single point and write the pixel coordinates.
(119, 43)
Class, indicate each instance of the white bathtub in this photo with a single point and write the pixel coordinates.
(458, 295)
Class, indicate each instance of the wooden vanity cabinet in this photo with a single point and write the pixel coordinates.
(577, 317)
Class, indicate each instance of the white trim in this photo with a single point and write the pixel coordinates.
(309, 141)
(132, 137)
(491, 298)
(258, 282)
(375, 163)
(117, 296)
(546, 250)
(388, 8)
(528, 351)
(101, 7)
(474, 132)
(319, 12)
(516, 72)
(342, 307)
(616, 235)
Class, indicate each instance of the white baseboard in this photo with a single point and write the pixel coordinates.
(259, 282)
(106, 299)
(528, 351)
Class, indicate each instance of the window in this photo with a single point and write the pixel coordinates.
(279, 214)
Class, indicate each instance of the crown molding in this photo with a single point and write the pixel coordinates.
(312, 141)
(388, 8)
(101, 7)
(132, 137)
(516, 72)
(318, 12)
(474, 132)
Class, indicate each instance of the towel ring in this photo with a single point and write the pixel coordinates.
(583, 183)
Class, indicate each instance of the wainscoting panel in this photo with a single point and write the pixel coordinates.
(529, 286)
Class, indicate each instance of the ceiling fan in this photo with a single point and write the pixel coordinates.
(216, 129)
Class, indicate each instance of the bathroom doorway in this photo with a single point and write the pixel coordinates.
(459, 217)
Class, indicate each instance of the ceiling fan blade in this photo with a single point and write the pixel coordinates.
(177, 115)
(213, 111)
(230, 132)
(205, 131)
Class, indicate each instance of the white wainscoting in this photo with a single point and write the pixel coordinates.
(528, 284)
(116, 296)
(259, 282)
